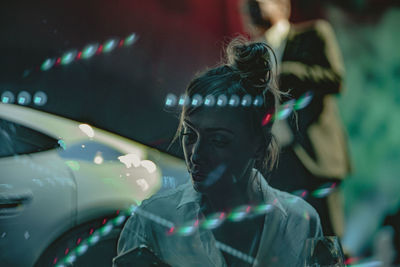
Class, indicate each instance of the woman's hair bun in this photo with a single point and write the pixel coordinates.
(251, 61)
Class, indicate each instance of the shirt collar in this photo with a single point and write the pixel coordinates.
(189, 195)
(268, 194)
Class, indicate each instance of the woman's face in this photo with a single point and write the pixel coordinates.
(219, 145)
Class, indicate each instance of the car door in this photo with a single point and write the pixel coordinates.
(37, 194)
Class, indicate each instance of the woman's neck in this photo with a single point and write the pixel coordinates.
(226, 198)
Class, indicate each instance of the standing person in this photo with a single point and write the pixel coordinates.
(212, 220)
(314, 148)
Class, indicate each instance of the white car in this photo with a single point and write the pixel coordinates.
(66, 188)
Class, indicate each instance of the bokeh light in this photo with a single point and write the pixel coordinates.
(7, 97)
(171, 100)
(209, 101)
(47, 64)
(222, 100)
(40, 98)
(68, 57)
(24, 98)
(110, 45)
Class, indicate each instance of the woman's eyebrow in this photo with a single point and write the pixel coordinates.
(219, 129)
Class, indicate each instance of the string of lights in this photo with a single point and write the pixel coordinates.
(88, 51)
(210, 222)
(282, 113)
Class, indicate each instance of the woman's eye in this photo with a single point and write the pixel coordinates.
(220, 140)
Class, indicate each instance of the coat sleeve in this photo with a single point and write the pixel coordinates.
(322, 79)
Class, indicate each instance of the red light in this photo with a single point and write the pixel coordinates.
(304, 194)
(79, 55)
(58, 61)
(351, 260)
(104, 221)
(91, 231)
(266, 119)
(248, 209)
(99, 49)
(66, 251)
(117, 212)
(55, 260)
(171, 230)
(78, 241)
(121, 43)
(222, 215)
(196, 223)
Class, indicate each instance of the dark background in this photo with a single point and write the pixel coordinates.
(124, 91)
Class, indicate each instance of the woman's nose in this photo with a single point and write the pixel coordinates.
(198, 152)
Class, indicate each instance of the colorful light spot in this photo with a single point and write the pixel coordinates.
(267, 118)
(68, 57)
(47, 64)
(93, 239)
(300, 193)
(119, 220)
(110, 45)
(303, 101)
(82, 249)
(261, 209)
(324, 190)
(238, 213)
(89, 50)
(130, 39)
(106, 229)
(171, 230)
(213, 221)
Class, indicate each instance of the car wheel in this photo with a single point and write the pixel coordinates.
(85, 246)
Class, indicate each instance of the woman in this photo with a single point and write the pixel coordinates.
(213, 220)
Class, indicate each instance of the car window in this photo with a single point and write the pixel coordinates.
(90, 151)
(16, 139)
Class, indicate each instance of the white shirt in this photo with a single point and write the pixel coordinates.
(286, 227)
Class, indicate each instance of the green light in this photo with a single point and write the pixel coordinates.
(303, 101)
(89, 50)
(93, 239)
(186, 230)
(68, 57)
(71, 258)
(47, 64)
(263, 208)
(119, 220)
(109, 45)
(130, 39)
(5, 99)
(106, 229)
(81, 249)
(74, 165)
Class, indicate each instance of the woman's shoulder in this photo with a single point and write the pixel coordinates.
(294, 206)
(167, 200)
